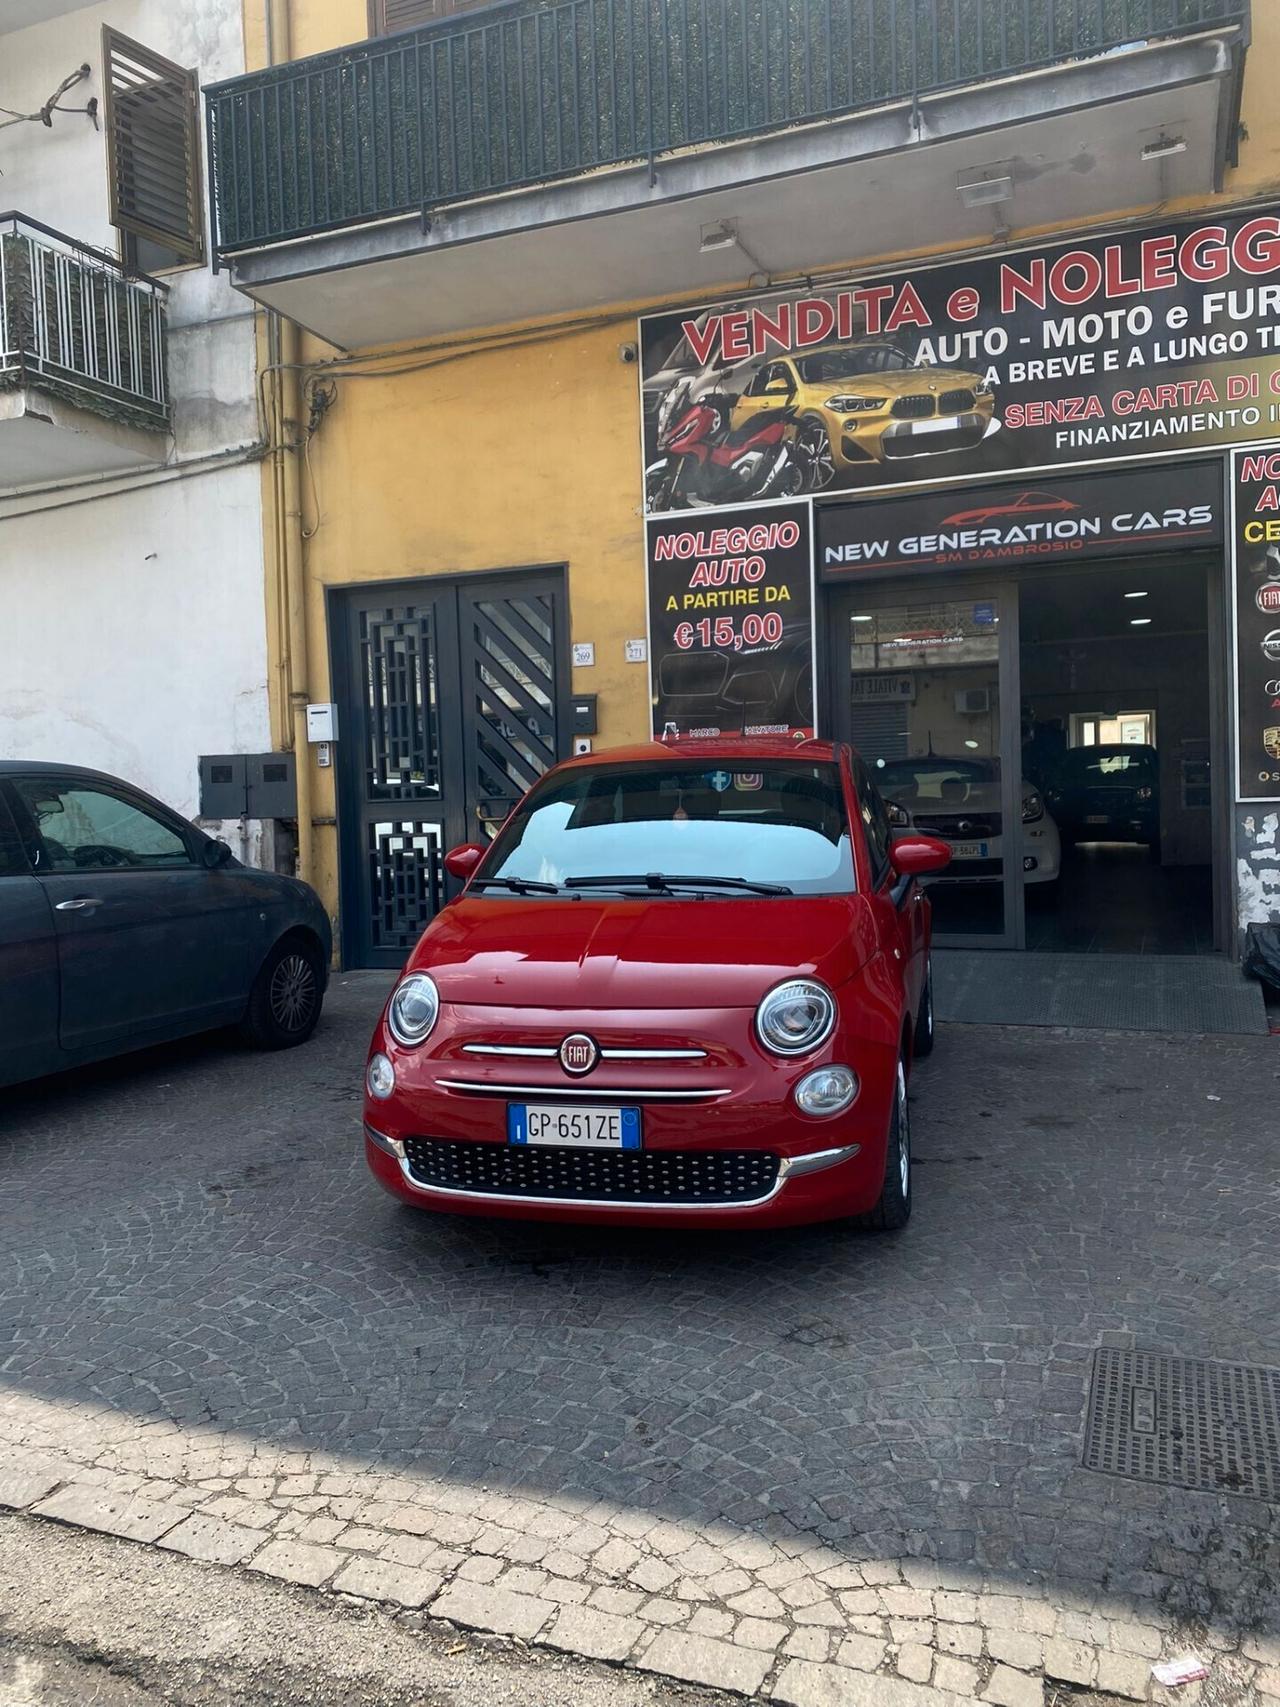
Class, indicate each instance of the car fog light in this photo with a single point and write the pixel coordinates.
(1029, 862)
(380, 1076)
(827, 1090)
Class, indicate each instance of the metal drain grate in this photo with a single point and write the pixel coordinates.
(1184, 1421)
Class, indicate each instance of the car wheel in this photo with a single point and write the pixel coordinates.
(894, 1208)
(813, 437)
(284, 1004)
(922, 1041)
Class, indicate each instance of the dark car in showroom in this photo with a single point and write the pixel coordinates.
(123, 925)
(685, 986)
(1107, 793)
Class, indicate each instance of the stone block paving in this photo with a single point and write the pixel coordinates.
(818, 1467)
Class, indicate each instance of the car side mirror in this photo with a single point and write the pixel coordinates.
(215, 854)
(777, 388)
(462, 861)
(914, 856)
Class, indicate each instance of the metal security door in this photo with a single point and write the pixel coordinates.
(511, 632)
(449, 697)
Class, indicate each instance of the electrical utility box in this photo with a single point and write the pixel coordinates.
(248, 785)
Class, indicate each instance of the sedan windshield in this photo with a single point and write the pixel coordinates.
(779, 827)
(1109, 764)
(937, 779)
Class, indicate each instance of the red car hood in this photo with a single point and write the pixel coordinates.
(638, 954)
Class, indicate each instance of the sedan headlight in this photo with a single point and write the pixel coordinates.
(413, 1009)
(984, 388)
(1032, 806)
(844, 404)
(826, 1091)
(1146, 792)
(796, 1017)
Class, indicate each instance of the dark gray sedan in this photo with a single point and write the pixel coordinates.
(122, 925)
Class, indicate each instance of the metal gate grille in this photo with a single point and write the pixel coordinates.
(401, 725)
(509, 674)
(405, 882)
(1185, 1421)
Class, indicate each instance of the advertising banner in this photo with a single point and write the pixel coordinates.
(731, 622)
(1084, 516)
(1256, 531)
(1143, 343)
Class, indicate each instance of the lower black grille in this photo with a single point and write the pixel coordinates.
(615, 1176)
(955, 402)
(913, 407)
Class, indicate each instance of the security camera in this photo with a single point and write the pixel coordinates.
(627, 353)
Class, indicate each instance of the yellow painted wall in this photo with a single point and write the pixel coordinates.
(529, 454)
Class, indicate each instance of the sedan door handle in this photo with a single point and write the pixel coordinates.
(77, 904)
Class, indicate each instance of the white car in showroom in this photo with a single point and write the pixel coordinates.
(959, 800)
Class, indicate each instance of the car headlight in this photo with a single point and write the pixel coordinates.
(826, 1091)
(984, 388)
(897, 817)
(1144, 793)
(843, 404)
(413, 1009)
(380, 1077)
(1032, 806)
(796, 1017)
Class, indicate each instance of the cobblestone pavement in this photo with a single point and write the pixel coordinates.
(818, 1466)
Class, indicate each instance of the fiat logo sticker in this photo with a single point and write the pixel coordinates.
(579, 1053)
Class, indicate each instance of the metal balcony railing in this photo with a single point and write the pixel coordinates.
(532, 90)
(73, 324)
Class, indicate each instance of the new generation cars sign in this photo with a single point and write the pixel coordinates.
(1143, 343)
(1084, 516)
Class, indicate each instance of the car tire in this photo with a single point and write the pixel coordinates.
(287, 995)
(922, 1037)
(814, 439)
(894, 1208)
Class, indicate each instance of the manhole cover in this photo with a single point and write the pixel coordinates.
(1184, 1421)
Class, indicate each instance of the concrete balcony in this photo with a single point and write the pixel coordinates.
(83, 360)
(531, 159)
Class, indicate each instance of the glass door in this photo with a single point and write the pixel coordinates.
(924, 686)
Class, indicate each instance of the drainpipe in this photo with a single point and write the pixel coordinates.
(284, 344)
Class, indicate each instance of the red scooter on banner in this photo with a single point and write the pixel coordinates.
(706, 460)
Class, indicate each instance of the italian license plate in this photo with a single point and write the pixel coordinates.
(573, 1127)
(969, 850)
(1097, 818)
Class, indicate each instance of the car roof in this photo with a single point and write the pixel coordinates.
(728, 749)
(41, 767)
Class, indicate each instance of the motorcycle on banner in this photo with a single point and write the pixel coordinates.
(703, 459)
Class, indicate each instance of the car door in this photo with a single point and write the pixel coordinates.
(772, 388)
(28, 964)
(151, 941)
(900, 908)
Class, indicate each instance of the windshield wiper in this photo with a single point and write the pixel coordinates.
(519, 885)
(657, 881)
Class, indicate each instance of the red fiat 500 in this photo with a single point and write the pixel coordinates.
(685, 986)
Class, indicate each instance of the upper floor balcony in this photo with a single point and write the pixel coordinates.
(546, 156)
(83, 387)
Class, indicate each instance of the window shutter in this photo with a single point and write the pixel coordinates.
(386, 16)
(153, 146)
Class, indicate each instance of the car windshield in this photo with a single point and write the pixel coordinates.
(827, 365)
(946, 781)
(1108, 764)
(765, 821)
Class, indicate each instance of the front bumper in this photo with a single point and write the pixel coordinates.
(791, 1190)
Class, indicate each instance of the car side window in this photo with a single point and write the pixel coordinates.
(13, 858)
(875, 821)
(84, 828)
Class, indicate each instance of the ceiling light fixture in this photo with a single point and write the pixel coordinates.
(860, 619)
(721, 234)
(1139, 621)
(1163, 146)
(1136, 595)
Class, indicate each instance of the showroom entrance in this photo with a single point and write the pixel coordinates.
(1061, 726)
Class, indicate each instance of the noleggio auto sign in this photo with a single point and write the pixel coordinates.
(1139, 344)
(1087, 516)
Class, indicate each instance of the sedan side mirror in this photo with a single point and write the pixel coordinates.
(215, 854)
(462, 861)
(914, 856)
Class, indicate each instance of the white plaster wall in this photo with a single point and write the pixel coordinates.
(132, 623)
(132, 632)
